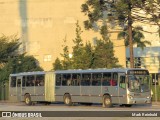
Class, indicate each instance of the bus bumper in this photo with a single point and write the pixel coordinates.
(139, 101)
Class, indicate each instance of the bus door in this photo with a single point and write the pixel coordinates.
(122, 88)
(19, 88)
(113, 90)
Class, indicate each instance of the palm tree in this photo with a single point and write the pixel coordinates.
(137, 36)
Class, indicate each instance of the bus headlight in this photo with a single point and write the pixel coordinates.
(148, 97)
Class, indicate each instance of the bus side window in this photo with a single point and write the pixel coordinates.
(19, 83)
(86, 78)
(30, 81)
(106, 79)
(96, 79)
(13, 82)
(42, 80)
(114, 79)
(39, 80)
(58, 79)
(23, 81)
(66, 80)
(122, 83)
(75, 79)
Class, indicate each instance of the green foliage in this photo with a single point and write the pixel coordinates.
(87, 56)
(103, 52)
(28, 64)
(66, 62)
(121, 13)
(18, 64)
(118, 12)
(92, 9)
(104, 55)
(11, 61)
(57, 65)
(137, 36)
(152, 8)
(8, 47)
(104, 33)
(78, 49)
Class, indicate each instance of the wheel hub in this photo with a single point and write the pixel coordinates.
(107, 101)
(67, 100)
(27, 100)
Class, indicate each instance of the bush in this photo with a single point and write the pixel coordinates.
(157, 92)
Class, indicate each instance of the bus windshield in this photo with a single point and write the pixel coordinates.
(138, 83)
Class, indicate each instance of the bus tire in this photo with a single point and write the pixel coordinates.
(27, 99)
(107, 102)
(67, 99)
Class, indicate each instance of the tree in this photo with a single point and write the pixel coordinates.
(66, 62)
(88, 56)
(128, 12)
(137, 37)
(28, 64)
(152, 9)
(57, 64)
(78, 50)
(121, 12)
(18, 64)
(8, 48)
(81, 56)
(104, 53)
(11, 61)
(98, 12)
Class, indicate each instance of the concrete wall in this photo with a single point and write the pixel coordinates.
(42, 26)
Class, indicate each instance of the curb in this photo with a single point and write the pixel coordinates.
(156, 103)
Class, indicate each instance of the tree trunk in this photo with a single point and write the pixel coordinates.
(130, 37)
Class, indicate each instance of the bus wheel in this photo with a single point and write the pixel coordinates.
(27, 99)
(67, 100)
(107, 102)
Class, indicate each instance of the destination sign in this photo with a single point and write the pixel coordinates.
(138, 72)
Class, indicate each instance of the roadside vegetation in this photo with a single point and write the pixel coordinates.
(11, 61)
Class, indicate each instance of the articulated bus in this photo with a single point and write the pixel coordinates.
(105, 86)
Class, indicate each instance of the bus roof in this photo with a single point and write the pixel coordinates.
(28, 73)
(101, 70)
(124, 70)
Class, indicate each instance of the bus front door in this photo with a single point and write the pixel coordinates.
(122, 88)
(19, 88)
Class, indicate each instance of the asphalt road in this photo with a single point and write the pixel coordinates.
(94, 112)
